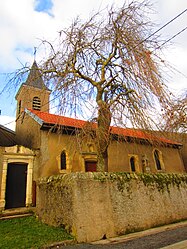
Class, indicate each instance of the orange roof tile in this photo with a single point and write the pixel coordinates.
(77, 123)
(57, 119)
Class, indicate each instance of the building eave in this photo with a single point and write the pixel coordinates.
(34, 116)
(61, 124)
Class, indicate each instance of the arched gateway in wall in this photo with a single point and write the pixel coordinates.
(17, 177)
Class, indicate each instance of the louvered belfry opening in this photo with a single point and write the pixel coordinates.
(36, 104)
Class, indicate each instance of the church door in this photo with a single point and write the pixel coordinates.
(90, 166)
(16, 185)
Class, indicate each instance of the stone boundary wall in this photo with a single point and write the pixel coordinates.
(97, 205)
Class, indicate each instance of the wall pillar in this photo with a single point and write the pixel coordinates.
(3, 184)
(29, 183)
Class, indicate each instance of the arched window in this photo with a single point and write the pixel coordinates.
(157, 159)
(132, 164)
(63, 160)
(36, 103)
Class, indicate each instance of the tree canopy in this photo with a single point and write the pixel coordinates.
(176, 118)
(109, 63)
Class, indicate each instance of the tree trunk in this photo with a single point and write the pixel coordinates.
(103, 136)
(102, 161)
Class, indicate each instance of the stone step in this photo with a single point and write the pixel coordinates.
(8, 217)
(16, 213)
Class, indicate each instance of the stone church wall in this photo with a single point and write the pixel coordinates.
(93, 206)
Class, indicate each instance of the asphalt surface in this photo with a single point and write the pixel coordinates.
(154, 241)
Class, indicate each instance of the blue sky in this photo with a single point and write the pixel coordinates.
(24, 23)
(43, 5)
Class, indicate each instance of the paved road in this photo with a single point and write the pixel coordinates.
(154, 241)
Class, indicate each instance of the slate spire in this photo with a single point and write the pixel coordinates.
(33, 93)
(35, 78)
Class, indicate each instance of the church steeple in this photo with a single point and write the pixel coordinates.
(33, 94)
(35, 78)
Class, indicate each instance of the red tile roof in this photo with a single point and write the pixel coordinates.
(60, 120)
(135, 133)
(48, 118)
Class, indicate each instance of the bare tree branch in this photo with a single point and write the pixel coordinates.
(107, 61)
(176, 119)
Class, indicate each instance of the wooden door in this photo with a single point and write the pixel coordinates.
(16, 185)
(90, 166)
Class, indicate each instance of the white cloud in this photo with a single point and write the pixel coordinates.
(177, 65)
(66, 10)
(22, 27)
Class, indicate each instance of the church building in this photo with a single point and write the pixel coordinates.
(49, 144)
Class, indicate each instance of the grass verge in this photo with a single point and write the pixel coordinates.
(28, 232)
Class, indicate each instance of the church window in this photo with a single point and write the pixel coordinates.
(157, 157)
(132, 163)
(36, 104)
(63, 160)
(19, 107)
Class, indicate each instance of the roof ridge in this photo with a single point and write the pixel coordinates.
(52, 114)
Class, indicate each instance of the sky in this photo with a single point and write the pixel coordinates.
(23, 24)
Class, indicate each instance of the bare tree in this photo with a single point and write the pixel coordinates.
(109, 61)
(176, 118)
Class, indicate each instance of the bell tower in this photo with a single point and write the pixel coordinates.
(33, 94)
